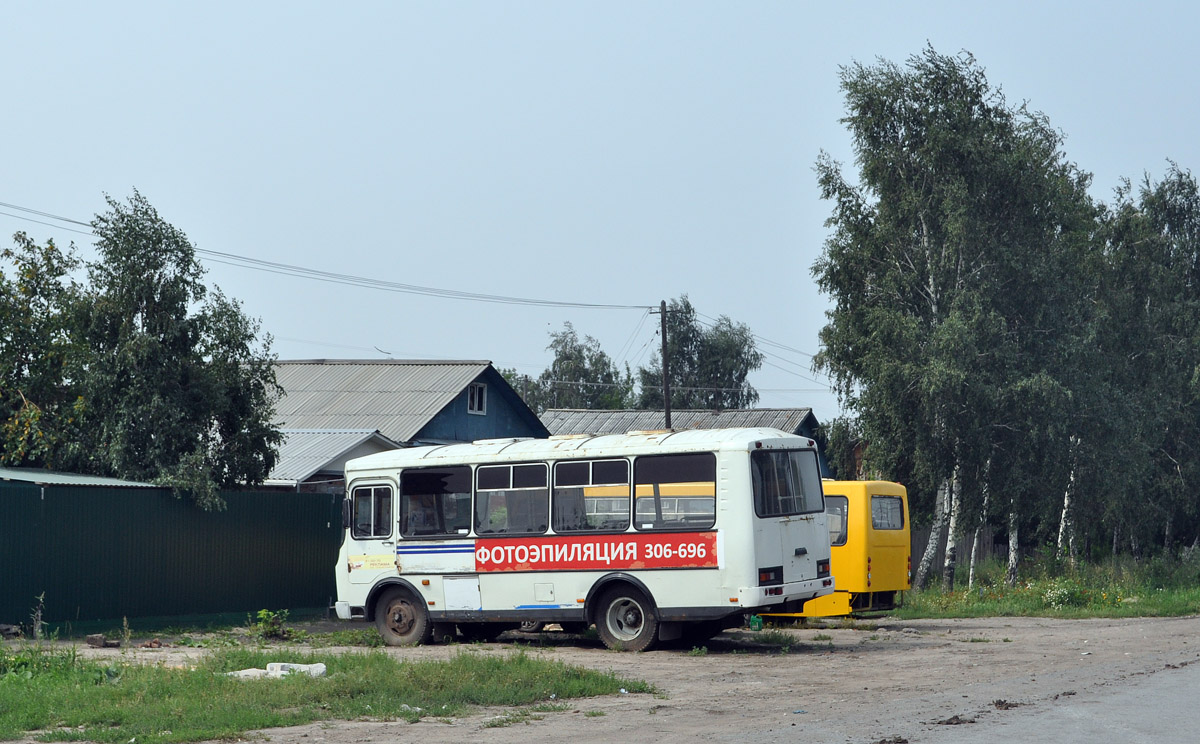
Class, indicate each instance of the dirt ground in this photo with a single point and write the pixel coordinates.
(883, 681)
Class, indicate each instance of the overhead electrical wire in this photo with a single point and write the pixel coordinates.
(282, 269)
(273, 267)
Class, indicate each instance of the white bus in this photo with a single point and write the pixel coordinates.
(649, 535)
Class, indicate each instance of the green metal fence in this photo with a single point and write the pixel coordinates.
(112, 553)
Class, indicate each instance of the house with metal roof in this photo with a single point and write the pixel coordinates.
(800, 421)
(335, 409)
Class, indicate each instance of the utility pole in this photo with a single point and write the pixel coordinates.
(666, 381)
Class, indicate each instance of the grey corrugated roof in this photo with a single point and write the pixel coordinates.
(41, 477)
(395, 397)
(579, 421)
(305, 452)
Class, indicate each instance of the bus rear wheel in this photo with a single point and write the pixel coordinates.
(626, 620)
(402, 620)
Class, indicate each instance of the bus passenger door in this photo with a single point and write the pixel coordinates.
(370, 548)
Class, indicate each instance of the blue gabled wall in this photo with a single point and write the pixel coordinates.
(506, 416)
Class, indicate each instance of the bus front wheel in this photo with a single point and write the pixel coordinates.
(626, 620)
(402, 620)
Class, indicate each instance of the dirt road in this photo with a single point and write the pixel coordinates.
(887, 681)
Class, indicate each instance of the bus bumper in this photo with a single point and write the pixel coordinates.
(342, 609)
(793, 592)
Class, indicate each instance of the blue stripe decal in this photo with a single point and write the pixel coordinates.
(542, 607)
(434, 549)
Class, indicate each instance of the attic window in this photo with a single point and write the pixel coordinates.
(477, 398)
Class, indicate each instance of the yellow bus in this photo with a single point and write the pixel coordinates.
(870, 548)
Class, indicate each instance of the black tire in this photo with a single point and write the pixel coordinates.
(402, 619)
(626, 620)
(531, 626)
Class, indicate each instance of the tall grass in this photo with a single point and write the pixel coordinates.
(1123, 587)
(63, 697)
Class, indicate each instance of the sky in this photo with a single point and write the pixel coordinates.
(586, 153)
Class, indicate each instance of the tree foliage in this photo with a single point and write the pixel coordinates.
(38, 306)
(949, 265)
(998, 336)
(581, 375)
(151, 375)
(709, 367)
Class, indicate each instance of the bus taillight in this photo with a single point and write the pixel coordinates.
(770, 576)
(822, 568)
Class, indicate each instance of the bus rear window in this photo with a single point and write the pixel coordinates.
(675, 492)
(887, 513)
(785, 482)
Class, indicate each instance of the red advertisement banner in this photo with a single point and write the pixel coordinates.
(598, 552)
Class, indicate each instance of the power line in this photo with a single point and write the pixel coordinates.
(712, 322)
(282, 269)
(272, 267)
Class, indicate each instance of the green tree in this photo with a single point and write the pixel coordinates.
(1151, 352)
(177, 389)
(581, 375)
(709, 366)
(950, 268)
(38, 304)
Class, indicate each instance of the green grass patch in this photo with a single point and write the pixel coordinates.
(1157, 587)
(55, 695)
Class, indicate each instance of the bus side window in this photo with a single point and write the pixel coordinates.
(371, 512)
(511, 499)
(591, 495)
(675, 491)
(434, 502)
(836, 509)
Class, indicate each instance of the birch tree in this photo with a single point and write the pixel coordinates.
(945, 264)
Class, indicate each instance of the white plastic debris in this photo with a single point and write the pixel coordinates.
(277, 669)
(247, 674)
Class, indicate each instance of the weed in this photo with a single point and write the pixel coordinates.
(774, 637)
(126, 634)
(270, 626)
(594, 713)
(37, 627)
(698, 651)
(822, 637)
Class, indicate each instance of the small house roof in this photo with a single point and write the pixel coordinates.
(580, 421)
(397, 397)
(40, 477)
(305, 452)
